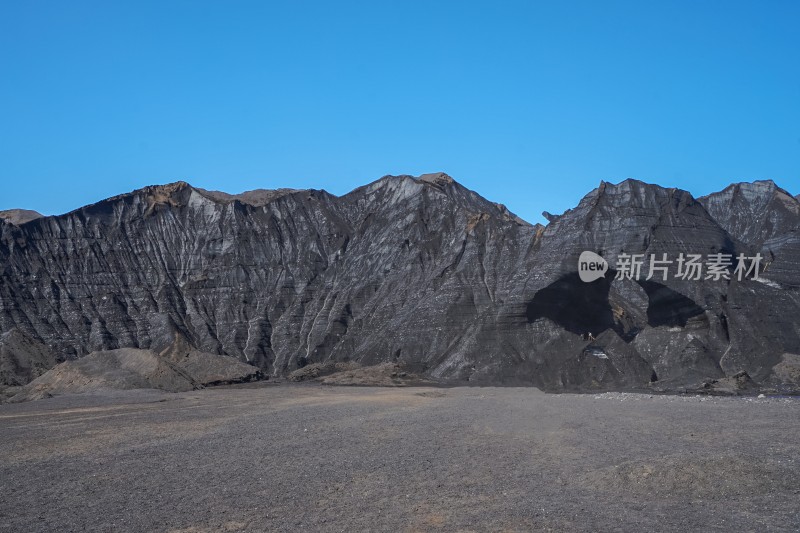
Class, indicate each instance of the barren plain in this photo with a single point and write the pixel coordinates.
(289, 457)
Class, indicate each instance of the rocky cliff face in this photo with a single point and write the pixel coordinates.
(766, 219)
(420, 272)
(755, 212)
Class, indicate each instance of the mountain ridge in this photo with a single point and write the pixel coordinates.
(421, 272)
(247, 196)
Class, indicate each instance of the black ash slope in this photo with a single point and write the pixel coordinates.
(416, 271)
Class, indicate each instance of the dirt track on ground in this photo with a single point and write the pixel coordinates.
(317, 458)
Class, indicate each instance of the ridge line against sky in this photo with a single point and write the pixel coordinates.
(531, 104)
(544, 221)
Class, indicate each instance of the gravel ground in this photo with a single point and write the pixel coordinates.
(314, 458)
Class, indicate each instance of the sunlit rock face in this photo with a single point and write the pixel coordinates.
(765, 218)
(19, 216)
(754, 213)
(418, 271)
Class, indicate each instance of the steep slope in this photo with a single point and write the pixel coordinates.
(414, 271)
(22, 358)
(767, 219)
(754, 212)
(422, 267)
(135, 269)
(633, 322)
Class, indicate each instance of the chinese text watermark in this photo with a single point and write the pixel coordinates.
(714, 267)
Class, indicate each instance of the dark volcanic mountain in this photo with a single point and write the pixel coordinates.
(765, 217)
(420, 272)
(754, 212)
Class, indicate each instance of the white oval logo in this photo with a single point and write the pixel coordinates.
(591, 266)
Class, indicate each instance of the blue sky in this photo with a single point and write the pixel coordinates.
(529, 103)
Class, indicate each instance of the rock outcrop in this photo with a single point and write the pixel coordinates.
(754, 213)
(419, 272)
(22, 358)
(19, 216)
(766, 219)
(130, 368)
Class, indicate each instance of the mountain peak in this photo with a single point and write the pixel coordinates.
(19, 216)
(153, 191)
(754, 211)
(439, 179)
(255, 198)
(754, 190)
(633, 193)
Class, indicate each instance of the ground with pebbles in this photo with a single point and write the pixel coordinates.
(316, 458)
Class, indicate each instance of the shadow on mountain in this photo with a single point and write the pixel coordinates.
(574, 305)
(582, 308)
(667, 307)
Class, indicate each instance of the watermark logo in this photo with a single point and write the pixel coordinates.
(694, 267)
(591, 266)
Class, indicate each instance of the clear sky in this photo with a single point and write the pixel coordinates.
(529, 103)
